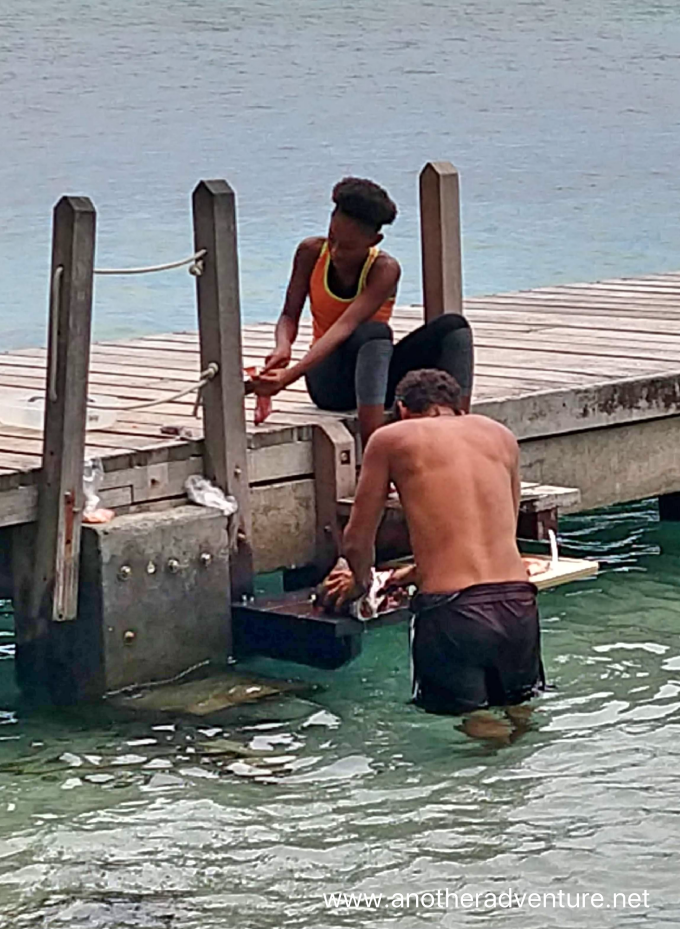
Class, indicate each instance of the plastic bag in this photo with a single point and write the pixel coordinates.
(201, 491)
(93, 474)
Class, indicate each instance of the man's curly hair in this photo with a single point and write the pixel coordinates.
(365, 202)
(420, 390)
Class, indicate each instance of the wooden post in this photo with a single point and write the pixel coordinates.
(440, 239)
(219, 322)
(53, 593)
(334, 478)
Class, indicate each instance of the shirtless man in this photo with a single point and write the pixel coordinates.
(475, 637)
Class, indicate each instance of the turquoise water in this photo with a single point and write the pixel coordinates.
(371, 796)
(562, 118)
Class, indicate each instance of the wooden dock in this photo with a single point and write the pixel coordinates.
(574, 360)
(587, 376)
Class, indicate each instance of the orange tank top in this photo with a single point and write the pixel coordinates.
(326, 307)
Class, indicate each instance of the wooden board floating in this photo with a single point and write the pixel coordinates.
(564, 571)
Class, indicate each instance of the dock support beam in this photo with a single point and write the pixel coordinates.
(440, 239)
(47, 574)
(669, 508)
(219, 322)
(334, 478)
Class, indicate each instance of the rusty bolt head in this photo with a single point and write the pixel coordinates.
(173, 565)
(129, 636)
(206, 559)
(124, 572)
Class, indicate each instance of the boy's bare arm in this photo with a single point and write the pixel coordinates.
(305, 258)
(381, 285)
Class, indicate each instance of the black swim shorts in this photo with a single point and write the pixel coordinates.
(479, 647)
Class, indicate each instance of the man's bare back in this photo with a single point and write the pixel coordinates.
(458, 480)
(475, 638)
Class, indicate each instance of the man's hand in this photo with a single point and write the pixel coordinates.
(270, 383)
(279, 358)
(401, 577)
(339, 589)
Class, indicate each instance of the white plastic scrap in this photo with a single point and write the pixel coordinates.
(93, 473)
(201, 491)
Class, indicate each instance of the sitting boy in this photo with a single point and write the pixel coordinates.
(351, 285)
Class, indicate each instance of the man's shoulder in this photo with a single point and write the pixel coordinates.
(479, 423)
(394, 435)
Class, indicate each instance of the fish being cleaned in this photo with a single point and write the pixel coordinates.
(263, 405)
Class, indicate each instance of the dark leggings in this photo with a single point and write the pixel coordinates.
(360, 370)
(444, 343)
(356, 373)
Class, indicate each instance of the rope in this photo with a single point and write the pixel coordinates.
(54, 331)
(195, 261)
(207, 375)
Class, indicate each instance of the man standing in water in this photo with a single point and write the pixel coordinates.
(475, 633)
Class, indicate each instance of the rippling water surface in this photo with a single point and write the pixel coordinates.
(114, 824)
(562, 116)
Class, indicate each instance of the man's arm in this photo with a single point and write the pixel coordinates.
(358, 541)
(514, 475)
(305, 258)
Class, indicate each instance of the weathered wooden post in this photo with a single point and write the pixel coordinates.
(440, 239)
(48, 588)
(219, 321)
(334, 479)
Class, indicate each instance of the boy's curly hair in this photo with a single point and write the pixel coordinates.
(420, 390)
(365, 202)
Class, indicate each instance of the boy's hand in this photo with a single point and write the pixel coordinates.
(279, 358)
(270, 383)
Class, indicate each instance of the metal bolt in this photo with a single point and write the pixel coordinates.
(129, 636)
(124, 572)
(328, 529)
(151, 568)
(173, 565)
(206, 559)
(238, 471)
(345, 457)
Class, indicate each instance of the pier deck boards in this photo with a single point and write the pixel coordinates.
(549, 362)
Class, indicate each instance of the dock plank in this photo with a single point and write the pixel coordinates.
(541, 355)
